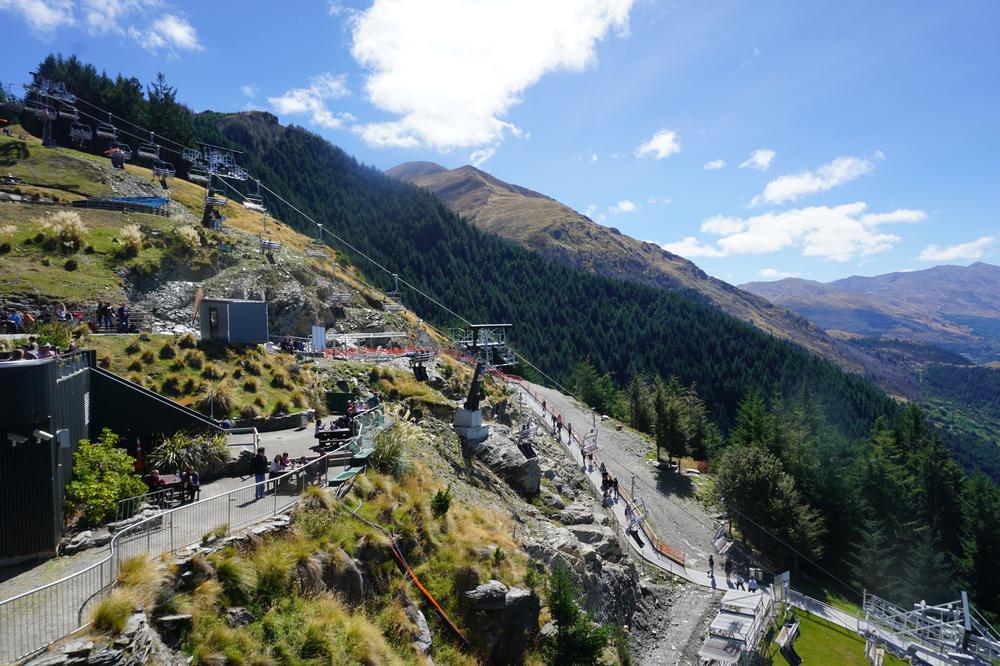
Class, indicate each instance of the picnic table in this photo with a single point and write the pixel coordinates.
(334, 434)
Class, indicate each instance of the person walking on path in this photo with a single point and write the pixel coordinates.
(711, 566)
(259, 468)
(739, 582)
(729, 569)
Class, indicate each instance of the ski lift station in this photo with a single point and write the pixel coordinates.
(233, 321)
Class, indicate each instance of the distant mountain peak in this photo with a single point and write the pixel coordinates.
(409, 171)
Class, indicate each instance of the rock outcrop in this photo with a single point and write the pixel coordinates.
(508, 619)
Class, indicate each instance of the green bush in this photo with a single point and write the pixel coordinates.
(251, 385)
(280, 407)
(171, 385)
(133, 347)
(208, 454)
(281, 380)
(167, 351)
(103, 474)
(56, 334)
(147, 357)
(576, 640)
(187, 342)
(389, 455)
(441, 502)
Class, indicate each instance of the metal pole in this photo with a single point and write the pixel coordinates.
(632, 494)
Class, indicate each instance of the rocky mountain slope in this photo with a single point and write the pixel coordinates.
(953, 307)
(558, 232)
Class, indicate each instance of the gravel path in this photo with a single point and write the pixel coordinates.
(678, 518)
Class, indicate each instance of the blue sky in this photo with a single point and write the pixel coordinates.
(857, 138)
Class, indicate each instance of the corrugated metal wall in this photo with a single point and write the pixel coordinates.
(248, 323)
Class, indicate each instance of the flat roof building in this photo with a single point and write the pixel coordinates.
(233, 321)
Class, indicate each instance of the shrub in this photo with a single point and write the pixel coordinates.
(576, 640)
(131, 237)
(195, 359)
(298, 399)
(250, 411)
(187, 341)
(103, 474)
(7, 232)
(251, 385)
(237, 578)
(55, 333)
(216, 399)
(112, 613)
(147, 357)
(133, 347)
(190, 386)
(212, 371)
(252, 368)
(136, 378)
(71, 264)
(89, 250)
(280, 407)
(104, 361)
(441, 502)
(281, 380)
(171, 385)
(389, 455)
(259, 401)
(64, 231)
(167, 351)
(187, 237)
(237, 373)
(144, 337)
(134, 366)
(208, 454)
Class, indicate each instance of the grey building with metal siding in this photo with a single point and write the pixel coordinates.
(233, 321)
(71, 399)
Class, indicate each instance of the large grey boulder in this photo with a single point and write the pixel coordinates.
(502, 456)
(509, 619)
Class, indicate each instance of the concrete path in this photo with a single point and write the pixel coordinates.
(618, 457)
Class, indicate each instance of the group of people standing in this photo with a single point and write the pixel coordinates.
(261, 468)
(107, 315)
(744, 578)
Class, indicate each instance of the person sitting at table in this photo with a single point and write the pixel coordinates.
(286, 462)
(319, 425)
(276, 468)
(192, 483)
(155, 481)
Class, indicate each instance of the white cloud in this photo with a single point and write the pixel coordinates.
(44, 17)
(838, 233)
(480, 155)
(659, 200)
(971, 251)
(715, 165)
(775, 274)
(663, 144)
(313, 101)
(169, 31)
(792, 186)
(249, 90)
(691, 248)
(593, 158)
(721, 225)
(592, 213)
(624, 206)
(759, 159)
(451, 70)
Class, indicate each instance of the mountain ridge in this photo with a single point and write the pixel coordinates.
(556, 231)
(948, 306)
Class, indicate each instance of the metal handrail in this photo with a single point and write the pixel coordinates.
(35, 619)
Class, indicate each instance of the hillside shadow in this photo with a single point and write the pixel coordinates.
(13, 151)
(672, 482)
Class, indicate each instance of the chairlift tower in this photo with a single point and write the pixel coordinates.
(954, 632)
(488, 344)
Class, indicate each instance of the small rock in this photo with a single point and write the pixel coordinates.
(488, 596)
(237, 616)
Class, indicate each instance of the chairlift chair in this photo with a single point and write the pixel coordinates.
(40, 110)
(125, 149)
(149, 151)
(69, 112)
(216, 198)
(80, 132)
(254, 202)
(163, 169)
(106, 131)
(197, 175)
(59, 92)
